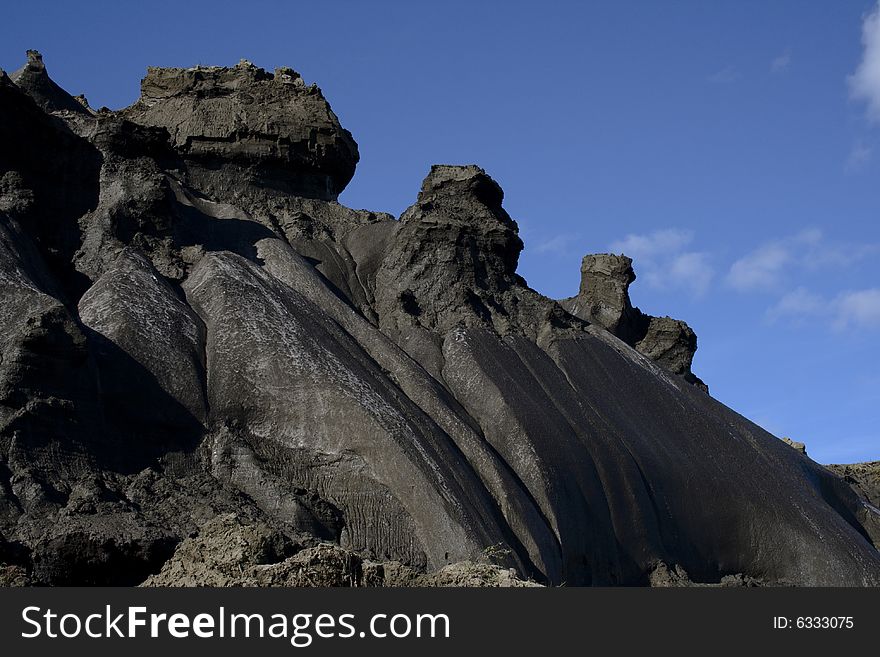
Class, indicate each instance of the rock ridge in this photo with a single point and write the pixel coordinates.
(214, 373)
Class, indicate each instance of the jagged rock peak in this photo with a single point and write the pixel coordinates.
(257, 129)
(450, 180)
(465, 198)
(455, 250)
(603, 299)
(34, 80)
(605, 281)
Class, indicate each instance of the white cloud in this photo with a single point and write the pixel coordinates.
(839, 255)
(725, 75)
(864, 84)
(761, 269)
(766, 268)
(858, 158)
(798, 304)
(559, 244)
(659, 243)
(808, 236)
(692, 270)
(661, 260)
(781, 63)
(853, 309)
(860, 309)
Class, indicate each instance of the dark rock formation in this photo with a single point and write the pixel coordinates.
(149, 346)
(36, 83)
(603, 299)
(243, 129)
(46, 193)
(211, 372)
(864, 479)
(228, 552)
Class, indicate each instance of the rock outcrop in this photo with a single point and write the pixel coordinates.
(227, 552)
(243, 130)
(864, 479)
(213, 373)
(603, 299)
(795, 445)
(33, 79)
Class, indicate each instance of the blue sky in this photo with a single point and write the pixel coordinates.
(732, 148)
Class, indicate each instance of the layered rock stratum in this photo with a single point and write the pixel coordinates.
(212, 372)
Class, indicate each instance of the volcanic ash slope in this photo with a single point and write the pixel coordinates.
(209, 366)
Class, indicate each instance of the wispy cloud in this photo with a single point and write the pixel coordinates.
(760, 269)
(864, 84)
(767, 267)
(782, 62)
(859, 157)
(854, 309)
(725, 75)
(798, 304)
(657, 243)
(558, 244)
(690, 270)
(859, 309)
(661, 258)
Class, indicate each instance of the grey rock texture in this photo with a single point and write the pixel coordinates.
(666, 576)
(863, 477)
(228, 552)
(795, 445)
(242, 128)
(150, 349)
(603, 299)
(33, 79)
(213, 373)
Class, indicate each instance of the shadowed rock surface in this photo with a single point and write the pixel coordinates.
(863, 477)
(35, 82)
(213, 373)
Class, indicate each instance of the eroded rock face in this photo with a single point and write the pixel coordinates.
(453, 256)
(864, 479)
(604, 300)
(46, 193)
(451, 262)
(211, 372)
(33, 79)
(150, 350)
(603, 297)
(229, 552)
(246, 129)
(48, 407)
